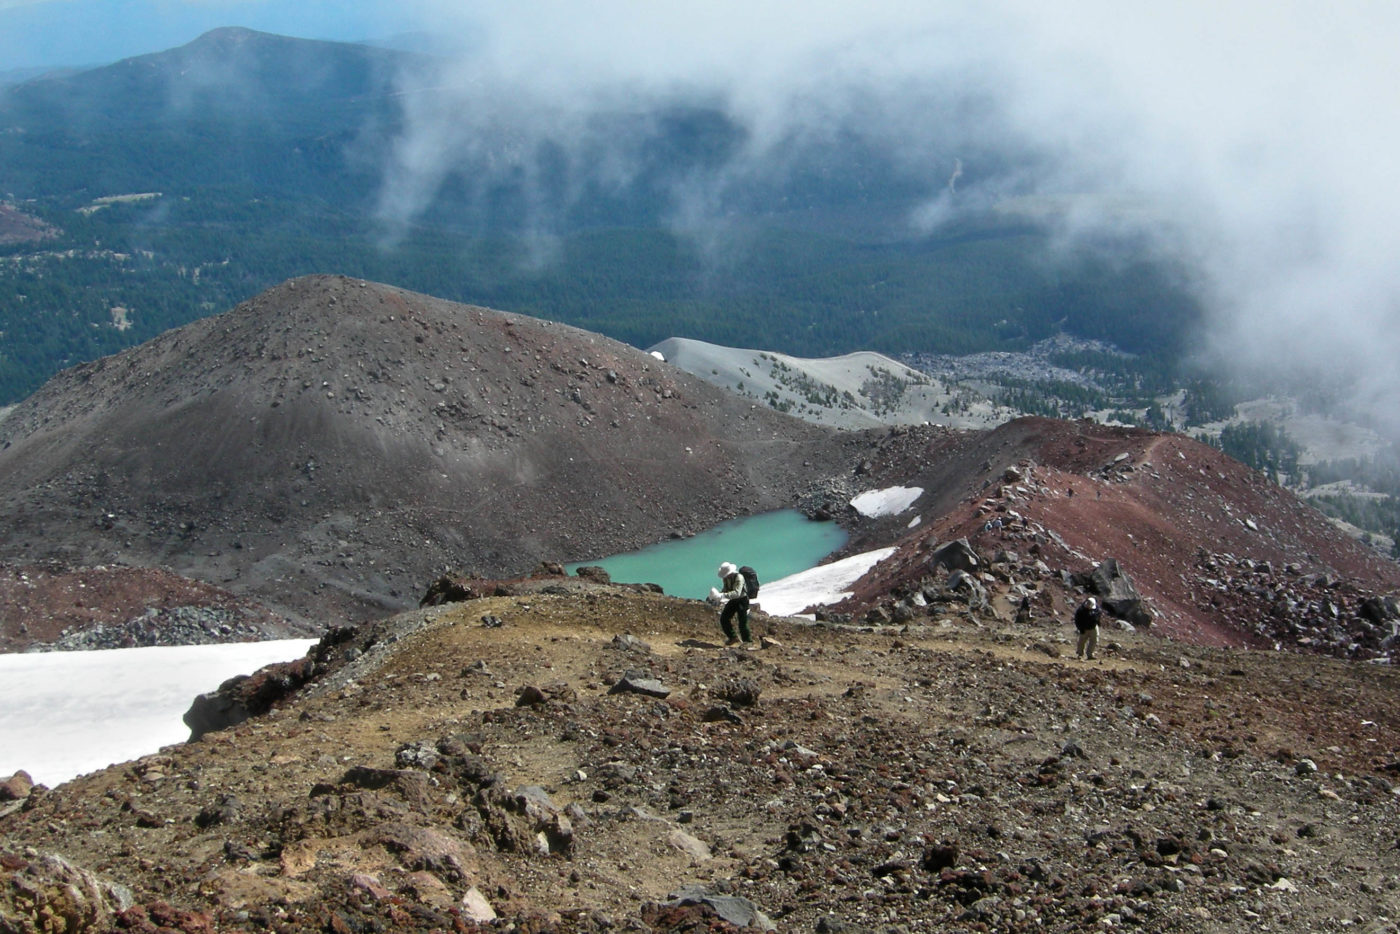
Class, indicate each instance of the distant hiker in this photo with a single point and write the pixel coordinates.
(1023, 611)
(735, 598)
(1086, 620)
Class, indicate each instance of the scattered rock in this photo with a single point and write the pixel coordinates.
(594, 573)
(640, 682)
(736, 910)
(476, 908)
(529, 696)
(739, 692)
(48, 893)
(696, 849)
(719, 713)
(16, 787)
(630, 643)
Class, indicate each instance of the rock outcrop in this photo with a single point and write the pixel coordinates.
(1116, 593)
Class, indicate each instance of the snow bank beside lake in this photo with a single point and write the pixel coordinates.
(63, 714)
(821, 585)
(887, 502)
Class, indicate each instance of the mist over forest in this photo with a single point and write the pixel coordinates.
(1202, 187)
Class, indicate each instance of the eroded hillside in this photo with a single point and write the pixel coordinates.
(332, 444)
(1219, 554)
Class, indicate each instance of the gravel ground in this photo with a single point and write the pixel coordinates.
(964, 773)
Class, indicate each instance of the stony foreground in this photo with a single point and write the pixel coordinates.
(595, 761)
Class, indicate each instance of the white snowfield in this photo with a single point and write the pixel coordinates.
(821, 585)
(887, 502)
(63, 714)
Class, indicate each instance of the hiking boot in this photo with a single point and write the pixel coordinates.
(729, 643)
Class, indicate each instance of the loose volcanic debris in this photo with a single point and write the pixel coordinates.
(871, 778)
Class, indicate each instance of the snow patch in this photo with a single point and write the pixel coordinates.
(818, 586)
(888, 502)
(63, 714)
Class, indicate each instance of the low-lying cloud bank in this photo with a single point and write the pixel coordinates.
(1249, 141)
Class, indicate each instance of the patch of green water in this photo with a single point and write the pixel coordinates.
(776, 544)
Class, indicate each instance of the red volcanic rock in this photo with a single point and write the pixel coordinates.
(245, 696)
(1153, 502)
(16, 787)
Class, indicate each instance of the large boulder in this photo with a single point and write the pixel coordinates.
(971, 588)
(732, 909)
(1117, 594)
(450, 589)
(1379, 610)
(955, 556)
(17, 787)
(638, 681)
(244, 696)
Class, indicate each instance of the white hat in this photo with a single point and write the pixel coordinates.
(726, 569)
(1092, 603)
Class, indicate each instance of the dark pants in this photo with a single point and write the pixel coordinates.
(738, 607)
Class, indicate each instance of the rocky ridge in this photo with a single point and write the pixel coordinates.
(593, 760)
(1057, 498)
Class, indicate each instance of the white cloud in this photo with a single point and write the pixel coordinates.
(1252, 139)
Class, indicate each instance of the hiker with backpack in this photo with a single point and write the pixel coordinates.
(1086, 620)
(740, 586)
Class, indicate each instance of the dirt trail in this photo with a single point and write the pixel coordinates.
(963, 774)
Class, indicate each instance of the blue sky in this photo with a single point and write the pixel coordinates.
(47, 33)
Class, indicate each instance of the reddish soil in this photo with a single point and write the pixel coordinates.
(1163, 506)
(39, 604)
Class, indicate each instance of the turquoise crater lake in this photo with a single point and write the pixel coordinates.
(776, 544)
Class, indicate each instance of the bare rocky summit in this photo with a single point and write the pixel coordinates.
(330, 445)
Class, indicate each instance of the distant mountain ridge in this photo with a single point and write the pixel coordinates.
(856, 390)
(291, 71)
(232, 107)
